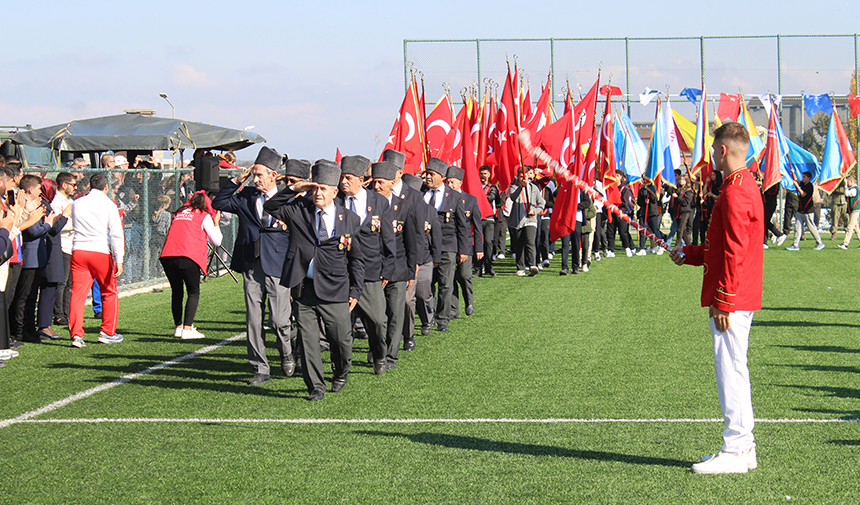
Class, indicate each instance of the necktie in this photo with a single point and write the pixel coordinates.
(266, 218)
(352, 204)
(322, 232)
(433, 198)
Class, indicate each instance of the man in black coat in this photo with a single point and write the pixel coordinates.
(455, 236)
(258, 253)
(488, 223)
(325, 259)
(377, 242)
(420, 297)
(463, 274)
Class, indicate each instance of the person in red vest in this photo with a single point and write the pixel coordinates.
(185, 255)
(731, 289)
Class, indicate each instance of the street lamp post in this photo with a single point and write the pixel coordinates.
(164, 95)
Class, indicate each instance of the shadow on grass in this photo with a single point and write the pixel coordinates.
(821, 368)
(855, 443)
(809, 309)
(820, 348)
(835, 392)
(845, 415)
(801, 324)
(482, 444)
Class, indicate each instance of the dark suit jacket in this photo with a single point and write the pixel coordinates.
(473, 217)
(33, 253)
(376, 236)
(338, 268)
(452, 220)
(274, 239)
(404, 223)
(54, 270)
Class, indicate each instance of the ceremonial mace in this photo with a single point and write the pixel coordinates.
(525, 140)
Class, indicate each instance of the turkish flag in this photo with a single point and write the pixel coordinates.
(772, 158)
(337, 156)
(729, 108)
(471, 180)
(506, 144)
(559, 139)
(854, 103)
(563, 219)
(439, 124)
(608, 174)
(407, 135)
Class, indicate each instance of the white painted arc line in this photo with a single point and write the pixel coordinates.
(122, 380)
(415, 421)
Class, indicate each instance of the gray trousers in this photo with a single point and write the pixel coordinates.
(259, 286)
(462, 279)
(395, 308)
(311, 312)
(801, 220)
(371, 309)
(420, 297)
(444, 274)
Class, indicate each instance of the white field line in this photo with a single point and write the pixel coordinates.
(122, 380)
(417, 421)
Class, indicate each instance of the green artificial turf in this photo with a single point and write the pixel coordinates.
(627, 340)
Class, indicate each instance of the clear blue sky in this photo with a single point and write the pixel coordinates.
(313, 76)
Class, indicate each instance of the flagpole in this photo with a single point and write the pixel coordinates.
(516, 113)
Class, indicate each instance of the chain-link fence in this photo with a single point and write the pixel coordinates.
(787, 65)
(146, 199)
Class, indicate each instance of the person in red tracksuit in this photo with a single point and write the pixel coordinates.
(731, 289)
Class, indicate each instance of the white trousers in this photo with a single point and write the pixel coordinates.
(733, 381)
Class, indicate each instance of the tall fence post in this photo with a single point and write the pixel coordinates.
(478, 61)
(405, 64)
(779, 64)
(627, 70)
(702, 57)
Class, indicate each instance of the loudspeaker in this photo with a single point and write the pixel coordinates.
(206, 173)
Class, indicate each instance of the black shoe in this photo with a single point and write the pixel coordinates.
(288, 367)
(442, 327)
(15, 344)
(97, 315)
(361, 335)
(316, 394)
(455, 316)
(425, 330)
(480, 273)
(470, 309)
(33, 338)
(370, 357)
(575, 271)
(563, 272)
(62, 321)
(48, 336)
(338, 384)
(379, 367)
(259, 378)
(492, 273)
(409, 344)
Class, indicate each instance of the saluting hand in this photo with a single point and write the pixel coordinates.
(241, 178)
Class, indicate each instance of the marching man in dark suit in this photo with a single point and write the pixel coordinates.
(376, 238)
(456, 243)
(463, 275)
(261, 244)
(404, 223)
(325, 260)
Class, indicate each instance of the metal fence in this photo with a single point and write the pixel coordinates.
(139, 194)
(788, 65)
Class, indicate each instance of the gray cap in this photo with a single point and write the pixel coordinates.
(384, 170)
(413, 181)
(396, 157)
(354, 165)
(298, 168)
(455, 172)
(326, 172)
(438, 166)
(269, 158)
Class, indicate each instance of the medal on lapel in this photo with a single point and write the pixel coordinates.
(375, 224)
(447, 217)
(345, 242)
(427, 227)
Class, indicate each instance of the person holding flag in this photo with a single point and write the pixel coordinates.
(804, 215)
(731, 289)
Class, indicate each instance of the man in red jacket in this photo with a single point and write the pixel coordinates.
(731, 289)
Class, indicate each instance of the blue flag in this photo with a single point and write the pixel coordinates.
(797, 161)
(691, 94)
(815, 103)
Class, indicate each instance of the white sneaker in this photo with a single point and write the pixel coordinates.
(610, 254)
(641, 252)
(78, 342)
(495, 256)
(7, 354)
(521, 273)
(104, 338)
(500, 256)
(545, 263)
(540, 267)
(585, 268)
(781, 239)
(773, 239)
(726, 462)
(660, 251)
(550, 255)
(628, 252)
(766, 246)
(596, 256)
(192, 334)
(178, 331)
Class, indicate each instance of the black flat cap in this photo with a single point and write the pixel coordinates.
(413, 181)
(354, 165)
(384, 170)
